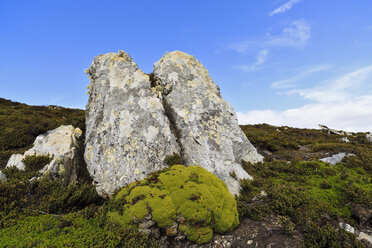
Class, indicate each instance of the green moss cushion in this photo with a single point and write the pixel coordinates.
(197, 197)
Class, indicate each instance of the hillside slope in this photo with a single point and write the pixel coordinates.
(294, 200)
(21, 123)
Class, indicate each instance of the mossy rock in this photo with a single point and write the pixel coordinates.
(202, 199)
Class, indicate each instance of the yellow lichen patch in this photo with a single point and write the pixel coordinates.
(154, 102)
(89, 153)
(197, 195)
(192, 83)
(78, 132)
(120, 56)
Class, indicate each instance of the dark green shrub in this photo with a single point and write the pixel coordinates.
(36, 162)
(326, 236)
(173, 159)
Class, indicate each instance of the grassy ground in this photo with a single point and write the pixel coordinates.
(311, 197)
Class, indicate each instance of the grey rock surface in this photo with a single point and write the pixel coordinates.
(16, 161)
(61, 143)
(206, 126)
(128, 134)
(2, 177)
(366, 237)
(335, 159)
(347, 227)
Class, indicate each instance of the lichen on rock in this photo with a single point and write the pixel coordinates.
(190, 198)
(208, 130)
(135, 121)
(128, 135)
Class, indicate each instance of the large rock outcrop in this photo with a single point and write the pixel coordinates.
(62, 143)
(128, 135)
(207, 126)
(135, 120)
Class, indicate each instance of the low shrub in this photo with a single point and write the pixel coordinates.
(36, 162)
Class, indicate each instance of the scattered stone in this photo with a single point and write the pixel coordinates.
(206, 125)
(2, 177)
(62, 143)
(369, 137)
(363, 214)
(128, 135)
(366, 237)
(347, 227)
(334, 131)
(337, 158)
(262, 194)
(331, 131)
(345, 139)
(249, 242)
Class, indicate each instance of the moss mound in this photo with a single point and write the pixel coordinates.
(191, 198)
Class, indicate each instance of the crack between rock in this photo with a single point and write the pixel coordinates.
(169, 113)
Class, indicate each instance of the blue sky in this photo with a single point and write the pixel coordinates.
(283, 62)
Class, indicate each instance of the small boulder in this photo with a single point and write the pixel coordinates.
(347, 227)
(2, 177)
(62, 143)
(335, 159)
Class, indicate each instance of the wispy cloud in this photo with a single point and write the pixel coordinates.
(260, 60)
(337, 89)
(295, 35)
(290, 82)
(287, 6)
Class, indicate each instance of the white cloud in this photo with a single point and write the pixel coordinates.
(287, 6)
(351, 115)
(341, 88)
(295, 35)
(342, 103)
(260, 60)
(290, 82)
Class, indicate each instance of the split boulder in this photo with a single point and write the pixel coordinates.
(134, 121)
